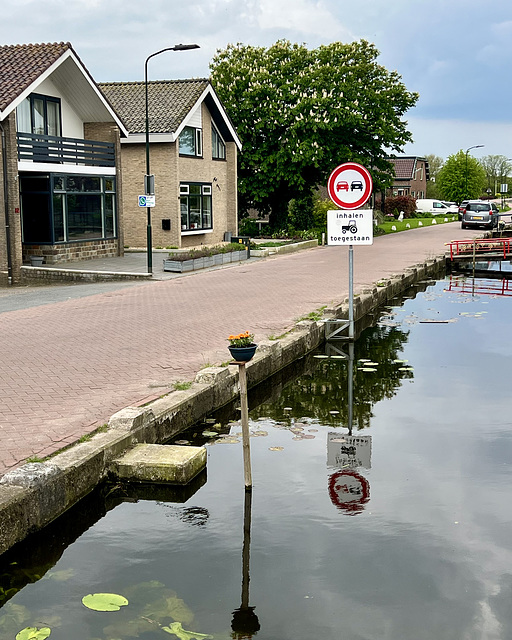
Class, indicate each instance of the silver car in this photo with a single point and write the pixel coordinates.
(479, 213)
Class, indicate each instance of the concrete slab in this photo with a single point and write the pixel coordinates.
(158, 463)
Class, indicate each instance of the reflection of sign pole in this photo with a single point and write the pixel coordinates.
(245, 622)
(350, 186)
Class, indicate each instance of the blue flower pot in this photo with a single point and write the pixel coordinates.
(242, 354)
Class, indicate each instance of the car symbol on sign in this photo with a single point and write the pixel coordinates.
(356, 184)
(342, 186)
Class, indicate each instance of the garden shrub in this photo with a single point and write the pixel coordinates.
(407, 204)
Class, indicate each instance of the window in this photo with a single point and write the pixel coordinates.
(39, 115)
(62, 208)
(195, 206)
(218, 146)
(191, 142)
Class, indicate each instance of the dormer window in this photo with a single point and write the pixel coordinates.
(191, 142)
(39, 115)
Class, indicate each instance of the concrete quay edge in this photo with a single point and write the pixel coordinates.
(35, 494)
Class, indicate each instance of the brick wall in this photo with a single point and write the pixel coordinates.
(170, 169)
(11, 160)
(86, 250)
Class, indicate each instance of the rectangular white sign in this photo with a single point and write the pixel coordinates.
(345, 227)
(146, 201)
(345, 451)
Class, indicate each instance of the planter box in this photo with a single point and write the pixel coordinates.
(179, 266)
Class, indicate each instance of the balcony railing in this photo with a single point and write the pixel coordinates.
(40, 148)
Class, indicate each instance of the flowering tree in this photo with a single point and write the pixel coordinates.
(300, 113)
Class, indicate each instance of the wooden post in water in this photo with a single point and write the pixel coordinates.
(245, 424)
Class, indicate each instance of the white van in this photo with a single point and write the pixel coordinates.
(436, 207)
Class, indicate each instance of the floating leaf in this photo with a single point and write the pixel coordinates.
(276, 448)
(104, 601)
(183, 442)
(33, 633)
(209, 434)
(176, 629)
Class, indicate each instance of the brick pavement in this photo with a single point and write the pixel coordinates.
(66, 367)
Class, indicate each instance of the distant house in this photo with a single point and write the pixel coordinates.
(411, 175)
(193, 156)
(60, 184)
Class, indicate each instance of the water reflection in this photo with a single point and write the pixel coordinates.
(245, 622)
(429, 557)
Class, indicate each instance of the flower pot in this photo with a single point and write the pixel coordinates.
(36, 261)
(242, 354)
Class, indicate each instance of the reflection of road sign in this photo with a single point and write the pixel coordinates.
(344, 451)
(350, 185)
(349, 491)
(350, 227)
(146, 201)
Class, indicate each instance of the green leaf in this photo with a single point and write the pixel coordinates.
(104, 601)
(33, 633)
(176, 629)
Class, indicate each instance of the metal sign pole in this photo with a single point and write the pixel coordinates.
(351, 292)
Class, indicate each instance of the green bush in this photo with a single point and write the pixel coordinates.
(248, 227)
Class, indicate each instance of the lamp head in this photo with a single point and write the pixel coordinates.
(185, 47)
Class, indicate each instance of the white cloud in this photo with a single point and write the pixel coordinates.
(303, 16)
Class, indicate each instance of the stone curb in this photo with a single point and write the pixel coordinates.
(34, 494)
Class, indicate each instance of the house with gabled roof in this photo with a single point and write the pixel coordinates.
(193, 150)
(411, 175)
(60, 178)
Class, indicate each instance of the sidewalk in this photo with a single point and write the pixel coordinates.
(70, 362)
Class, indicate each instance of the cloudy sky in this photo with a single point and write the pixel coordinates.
(456, 53)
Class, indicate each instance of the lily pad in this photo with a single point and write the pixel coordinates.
(33, 633)
(209, 434)
(104, 601)
(276, 448)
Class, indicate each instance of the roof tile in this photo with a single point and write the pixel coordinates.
(22, 64)
(169, 102)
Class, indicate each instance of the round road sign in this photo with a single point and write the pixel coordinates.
(350, 185)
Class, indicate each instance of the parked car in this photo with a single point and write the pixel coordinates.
(451, 205)
(480, 214)
(435, 207)
(462, 208)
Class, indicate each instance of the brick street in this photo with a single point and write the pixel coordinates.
(67, 366)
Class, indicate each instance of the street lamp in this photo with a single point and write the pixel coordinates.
(477, 146)
(149, 180)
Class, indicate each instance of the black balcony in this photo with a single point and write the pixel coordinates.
(40, 148)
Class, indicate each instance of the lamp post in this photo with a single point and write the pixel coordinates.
(149, 180)
(477, 146)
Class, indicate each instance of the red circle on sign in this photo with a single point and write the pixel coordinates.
(349, 491)
(345, 181)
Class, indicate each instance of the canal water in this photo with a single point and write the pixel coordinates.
(380, 508)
